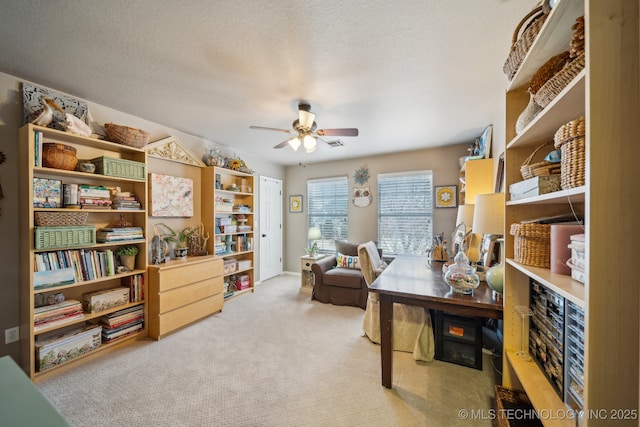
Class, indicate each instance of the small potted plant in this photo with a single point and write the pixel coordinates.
(127, 255)
(182, 249)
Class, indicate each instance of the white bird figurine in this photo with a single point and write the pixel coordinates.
(46, 116)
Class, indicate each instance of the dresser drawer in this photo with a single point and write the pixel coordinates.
(184, 274)
(178, 297)
(172, 320)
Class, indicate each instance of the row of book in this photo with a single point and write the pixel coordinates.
(122, 323)
(115, 234)
(56, 268)
(135, 284)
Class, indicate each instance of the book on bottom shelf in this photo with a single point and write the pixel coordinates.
(61, 346)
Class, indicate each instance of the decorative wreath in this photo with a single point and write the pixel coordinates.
(361, 176)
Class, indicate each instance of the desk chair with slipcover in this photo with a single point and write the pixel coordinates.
(412, 330)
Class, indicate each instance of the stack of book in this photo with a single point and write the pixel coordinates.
(136, 287)
(52, 350)
(94, 197)
(116, 234)
(57, 314)
(122, 323)
(219, 247)
(125, 201)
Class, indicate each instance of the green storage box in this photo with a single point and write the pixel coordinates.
(64, 237)
(120, 168)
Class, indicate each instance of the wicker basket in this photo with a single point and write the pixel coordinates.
(548, 70)
(541, 168)
(532, 244)
(56, 219)
(570, 139)
(125, 135)
(64, 237)
(120, 168)
(520, 45)
(558, 82)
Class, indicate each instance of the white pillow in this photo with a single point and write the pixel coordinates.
(347, 261)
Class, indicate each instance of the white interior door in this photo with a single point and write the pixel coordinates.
(270, 227)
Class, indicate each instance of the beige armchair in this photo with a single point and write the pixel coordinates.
(412, 329)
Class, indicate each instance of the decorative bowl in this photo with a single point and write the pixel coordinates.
(59, 156)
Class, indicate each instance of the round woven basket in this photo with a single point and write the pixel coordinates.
(59, 156)
(532, 244)
(559, 81)
(570, 139)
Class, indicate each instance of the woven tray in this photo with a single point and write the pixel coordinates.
(520, 45)
(558, 82)
(55, 219)
(570, 139)
(540, 168)
(126, 135)
(532, 244)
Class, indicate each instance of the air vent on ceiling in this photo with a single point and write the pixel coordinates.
(336, 143)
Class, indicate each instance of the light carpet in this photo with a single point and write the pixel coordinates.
(270, 358)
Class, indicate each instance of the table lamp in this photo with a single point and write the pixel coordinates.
(471, 240)
(313, 235)
(488, 218)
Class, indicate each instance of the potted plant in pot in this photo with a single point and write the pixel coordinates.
(182, 249)
(127, 255)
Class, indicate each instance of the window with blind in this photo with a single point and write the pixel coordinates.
(328, 209)
(405, 212)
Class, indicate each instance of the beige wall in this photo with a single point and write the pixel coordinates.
(11, 120)
(443, 161)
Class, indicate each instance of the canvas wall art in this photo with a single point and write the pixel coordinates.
(171, 196)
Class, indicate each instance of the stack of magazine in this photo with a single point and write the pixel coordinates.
(122, 323)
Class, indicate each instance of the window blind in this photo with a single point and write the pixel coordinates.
(405, 212)
(328, 209)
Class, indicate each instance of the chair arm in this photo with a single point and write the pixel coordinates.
(324, 264)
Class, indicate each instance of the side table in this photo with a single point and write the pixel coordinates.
(307, 279)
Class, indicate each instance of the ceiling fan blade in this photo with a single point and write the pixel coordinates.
(275, 129)
(338, 132)
(283, 143)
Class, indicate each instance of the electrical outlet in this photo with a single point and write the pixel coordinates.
(11, 335)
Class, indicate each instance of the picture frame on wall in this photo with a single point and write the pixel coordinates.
(446, 196)
(295, 203)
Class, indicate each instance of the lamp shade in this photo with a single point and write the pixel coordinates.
(314, 233)
(488, 215)
(465, 215)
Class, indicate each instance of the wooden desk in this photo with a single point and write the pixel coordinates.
(414, 280)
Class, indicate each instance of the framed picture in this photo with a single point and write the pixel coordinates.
(295, 203)
(500, 174)
(47, 193)
(485, 142)
(171, 196)
(446, 196)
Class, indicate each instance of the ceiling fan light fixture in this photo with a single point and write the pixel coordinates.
(310, 149)
(310, 143)
(305, 119)
(295, 143)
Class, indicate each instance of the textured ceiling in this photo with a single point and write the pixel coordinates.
(408, 74)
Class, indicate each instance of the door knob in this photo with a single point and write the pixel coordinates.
(264, 235)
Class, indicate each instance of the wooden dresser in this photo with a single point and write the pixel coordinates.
(182, 292)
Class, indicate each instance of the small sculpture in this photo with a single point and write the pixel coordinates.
(76, 126)
(46, 115)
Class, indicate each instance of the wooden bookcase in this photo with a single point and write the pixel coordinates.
(87, 148)
(478, 177)
(229, 194)
(606, 92)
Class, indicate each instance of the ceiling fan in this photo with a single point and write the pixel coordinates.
(306, 132)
